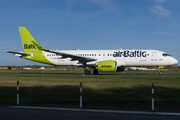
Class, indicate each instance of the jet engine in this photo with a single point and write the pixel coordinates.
(109, 66)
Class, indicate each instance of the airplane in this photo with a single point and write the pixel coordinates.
(99, 60)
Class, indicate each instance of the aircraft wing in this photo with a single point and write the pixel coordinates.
(81, 59)
(20, 53)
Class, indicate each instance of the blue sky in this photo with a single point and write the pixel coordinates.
(90, 24)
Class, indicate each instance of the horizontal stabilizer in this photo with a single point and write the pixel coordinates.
(20, 53)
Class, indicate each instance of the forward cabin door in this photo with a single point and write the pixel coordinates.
(153, 56)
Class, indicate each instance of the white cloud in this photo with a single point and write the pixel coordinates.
(105, 5)
(158, 10)
(159, 1)
(50, 8)
(86, 15)
(163, 33)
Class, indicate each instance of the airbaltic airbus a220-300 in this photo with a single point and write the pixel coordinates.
(100, 60)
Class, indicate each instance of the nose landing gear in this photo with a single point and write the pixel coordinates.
(160, 72)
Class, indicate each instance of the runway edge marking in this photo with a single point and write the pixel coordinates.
(93, 110)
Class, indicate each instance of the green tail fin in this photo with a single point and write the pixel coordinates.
(28, 42)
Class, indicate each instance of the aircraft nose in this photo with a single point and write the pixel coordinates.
(173, 61)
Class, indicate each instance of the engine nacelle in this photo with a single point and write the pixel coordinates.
(107, 66)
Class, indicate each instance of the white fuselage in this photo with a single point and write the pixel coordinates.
(123, 57)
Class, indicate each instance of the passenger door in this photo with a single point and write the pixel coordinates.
(153, 56)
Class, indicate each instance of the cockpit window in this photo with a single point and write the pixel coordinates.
(165, 54)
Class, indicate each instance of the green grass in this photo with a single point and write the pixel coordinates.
(51, 88)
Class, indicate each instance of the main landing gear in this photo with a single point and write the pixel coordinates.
(88, 72)
(95, 71)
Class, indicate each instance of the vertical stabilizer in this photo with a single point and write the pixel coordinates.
(27, 40)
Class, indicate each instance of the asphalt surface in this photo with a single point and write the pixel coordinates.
(126, 106)
(11, 113)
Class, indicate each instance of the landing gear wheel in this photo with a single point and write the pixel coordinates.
(87, 72)
(161, 73)
(95, 71)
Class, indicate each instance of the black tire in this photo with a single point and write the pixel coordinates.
(95, 72)
(161, 73)
(87, 72)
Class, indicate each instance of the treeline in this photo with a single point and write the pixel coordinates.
(73, 67)
(46, 67)
(175, 66)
